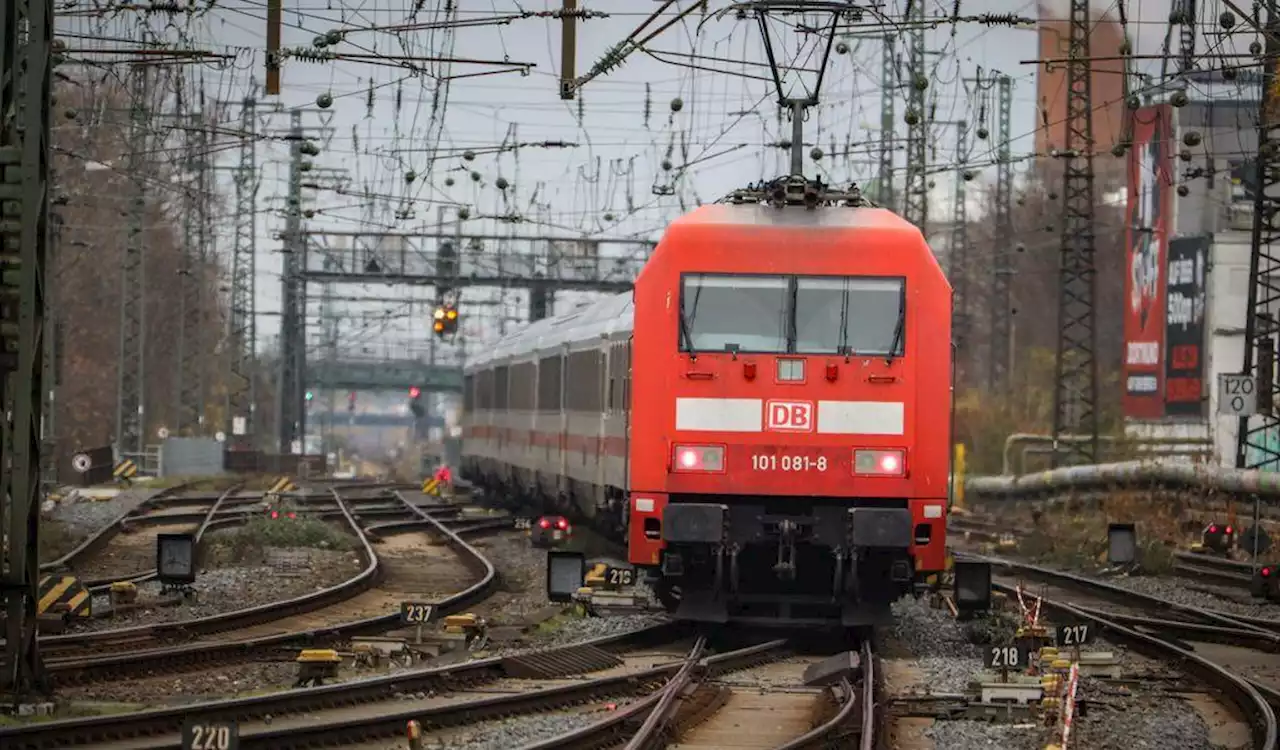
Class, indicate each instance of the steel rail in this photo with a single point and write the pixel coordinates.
(1122, 594)
(184, 629)
(99, 538)
(165, 724)
(1251, 703)
(852, 698)
(320, 734)
(652, 733)
(99, 586)
(614, 729)
(224, 651)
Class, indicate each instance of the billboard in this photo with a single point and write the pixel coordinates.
(1149, 221)
(1184, 327)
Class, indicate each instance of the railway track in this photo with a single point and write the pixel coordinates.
(1220, 570)
(1166, 639)
(160, 728)
(276, 630)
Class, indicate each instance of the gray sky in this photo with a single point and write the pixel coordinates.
(605, 185)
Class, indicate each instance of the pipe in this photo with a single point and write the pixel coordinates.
(1207, 477)
(1205, 454)
(1011, 442)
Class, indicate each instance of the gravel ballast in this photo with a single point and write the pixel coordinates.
(233, 588)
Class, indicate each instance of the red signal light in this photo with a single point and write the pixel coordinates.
(1228, 530)
(415, 391)
(544, 523)
(562, 524)
(1266, 572)
(293, 515)
(275, 514)
(1213, 528)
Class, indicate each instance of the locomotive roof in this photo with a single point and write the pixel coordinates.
(586, 323)
(797, 216)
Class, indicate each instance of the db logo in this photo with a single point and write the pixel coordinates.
(789, 416)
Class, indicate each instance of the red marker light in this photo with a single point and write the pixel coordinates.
(1266, 572)
(275, 514)
(1213, 528)
(562, 524)
(1228, 531)
(293, 515)
(544, 524)
(688, 458)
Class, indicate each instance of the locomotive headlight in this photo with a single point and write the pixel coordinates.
(698, 458)
(879, 463)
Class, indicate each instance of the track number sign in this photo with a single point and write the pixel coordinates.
(620, 576)
(211, 735)
(524, 524)
(1068, 636)
(1004, 656)
(415, 613)
(1237, 395)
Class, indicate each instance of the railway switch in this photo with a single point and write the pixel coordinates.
(315, 665)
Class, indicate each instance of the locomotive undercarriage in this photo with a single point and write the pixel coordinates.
(759, 560)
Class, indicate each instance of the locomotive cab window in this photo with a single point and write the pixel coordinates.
(793, 314)
(734, 313)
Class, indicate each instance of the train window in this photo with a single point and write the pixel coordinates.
(522, 387)
(484, 389)
(734, 313)
(469, 393)
(877, 315)
(582, 384)
(500, 388)
(848, 314)
(549, 372)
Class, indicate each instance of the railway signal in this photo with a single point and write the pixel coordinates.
(1218, 537)
(415, 402)
(444, 320)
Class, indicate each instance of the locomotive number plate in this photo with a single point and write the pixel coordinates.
(787, 462)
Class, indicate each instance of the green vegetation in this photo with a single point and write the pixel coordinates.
(262, 533)
(56, 539)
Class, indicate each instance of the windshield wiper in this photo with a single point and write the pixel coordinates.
(897, 336)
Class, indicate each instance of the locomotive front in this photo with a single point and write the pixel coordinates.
(791, 407)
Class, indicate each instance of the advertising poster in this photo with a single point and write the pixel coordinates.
(1149, 214)
(1184, 327)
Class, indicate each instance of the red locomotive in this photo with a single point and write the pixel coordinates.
(766, 417)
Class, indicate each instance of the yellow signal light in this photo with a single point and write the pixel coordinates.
(438, 326)
(452, 314)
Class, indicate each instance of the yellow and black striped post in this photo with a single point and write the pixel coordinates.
(283, 484)
(125, 471)
(63, 593)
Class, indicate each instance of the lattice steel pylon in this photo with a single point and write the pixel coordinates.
(131, 386)
(1258, 437)
(886, 196)
(915, 204)
(958, 252)
(293, 343)
(1000, 304)
(1076, 371)
(26, 35)
(242, 397)
(189, 394)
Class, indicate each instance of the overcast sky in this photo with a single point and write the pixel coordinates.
(388, 120)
